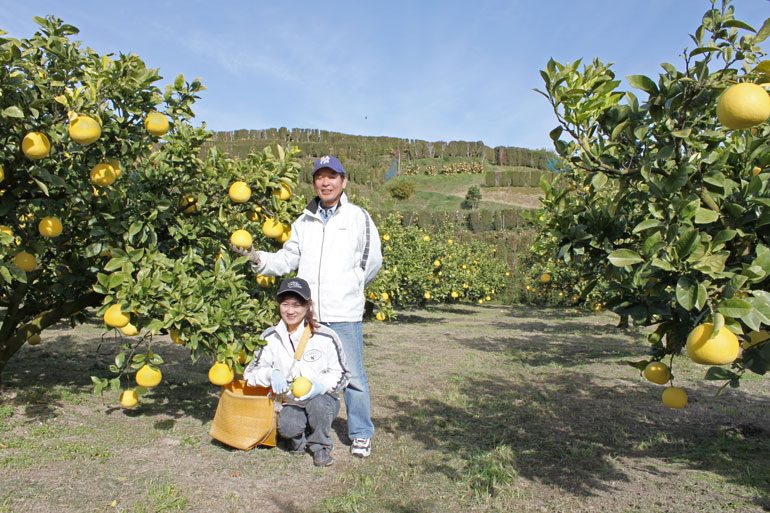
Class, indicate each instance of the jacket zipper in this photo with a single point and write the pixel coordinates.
(320, 259)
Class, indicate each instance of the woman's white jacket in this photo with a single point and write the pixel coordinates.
(323, 360)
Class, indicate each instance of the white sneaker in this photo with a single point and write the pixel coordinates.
(362, 447)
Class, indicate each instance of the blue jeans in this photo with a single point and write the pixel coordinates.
(309, 426)
(356, 394)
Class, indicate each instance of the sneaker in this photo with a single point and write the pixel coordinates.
(362, 447)
(322, 458)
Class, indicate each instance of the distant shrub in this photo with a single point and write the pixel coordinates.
(401, 190)
(472, 198)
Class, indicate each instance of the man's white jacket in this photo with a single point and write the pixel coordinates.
(323, 360)
(337, 259)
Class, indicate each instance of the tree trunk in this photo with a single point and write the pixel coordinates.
(13, 335)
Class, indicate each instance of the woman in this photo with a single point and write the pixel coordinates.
(304, 421)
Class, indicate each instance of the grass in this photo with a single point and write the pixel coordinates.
(480, 409)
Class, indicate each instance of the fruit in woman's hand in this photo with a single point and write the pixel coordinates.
(301, 386)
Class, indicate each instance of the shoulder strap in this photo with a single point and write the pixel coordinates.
(302, 343)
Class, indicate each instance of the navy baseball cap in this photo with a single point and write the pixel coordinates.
(329, 162)
(296, 286)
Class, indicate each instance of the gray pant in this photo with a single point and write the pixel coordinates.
(309, 426)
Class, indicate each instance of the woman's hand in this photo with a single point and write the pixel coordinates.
(315, 390)
(278, 382)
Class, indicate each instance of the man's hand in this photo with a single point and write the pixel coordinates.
(249, 253)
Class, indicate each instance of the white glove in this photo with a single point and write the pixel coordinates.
(249, 253)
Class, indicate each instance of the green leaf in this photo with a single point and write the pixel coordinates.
(13, 112)
(624, 257)
(599, 180)
(705, 216)
(739, 24)
(719, 374)
(764, 32)
(662, 264)
(723, 236)
(646, 225)
(682, 134)
(687, 292)
(686, 242)
(734, 307)
(642, 82)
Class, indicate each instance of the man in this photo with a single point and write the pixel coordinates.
(335, 247)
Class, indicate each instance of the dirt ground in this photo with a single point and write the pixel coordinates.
(478, 409)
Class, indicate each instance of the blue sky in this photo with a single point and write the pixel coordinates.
(416, 69)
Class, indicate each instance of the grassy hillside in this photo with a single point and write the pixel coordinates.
(367, 158)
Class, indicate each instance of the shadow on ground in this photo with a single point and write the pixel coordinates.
(43, 379)
(568, 433)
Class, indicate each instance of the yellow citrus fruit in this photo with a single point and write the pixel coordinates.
(34, 340)
(220, 374)
(545, 278)
(156, 123)
(241, 239)
(465, 286)
(242, 359)
(175, 337)
(283, 192)
(674, 397)
(286, 235)
(481, 301)
(188, 204)
(720, 350)
(36, 145)
(437, 263)
(756, 170)
(6, 230)
(743, 106)
(239, 192)
(300, 386)
(450, 241)
(386, 237)
(25, 261)
(272, 228)
(114, 317)
(379, 316)
(427, 295)
(507, 274)
(487, 298)
(129, 330)
(115, 163)
(128, 398)
(148, 376)
(455, 295)
(103, 174)
(2, 173)
(85, 130)
(657, 372)
(49, 227)
(384, 296)
(265, 281)
(426, 238)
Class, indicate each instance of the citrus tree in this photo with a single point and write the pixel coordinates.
(421, 268)
(107, 201)
(665, 196)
